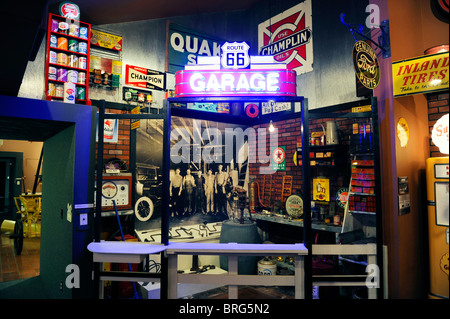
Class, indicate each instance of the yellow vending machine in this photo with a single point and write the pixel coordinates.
(438, 198)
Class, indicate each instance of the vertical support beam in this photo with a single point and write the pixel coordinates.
(378, 192)
(99, 175)
(98, 284)
(172, 280)
(166, 200)
(307, 237)
(299, 283)
(232, 270)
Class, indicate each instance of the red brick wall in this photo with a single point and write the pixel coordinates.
(121, 149)
(437, 107)
(289, 134)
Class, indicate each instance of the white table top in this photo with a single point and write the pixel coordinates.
(230, 248)
(125, 247)
(140, 248)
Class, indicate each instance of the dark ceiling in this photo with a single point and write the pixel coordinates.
(24, 27)
(116, 11)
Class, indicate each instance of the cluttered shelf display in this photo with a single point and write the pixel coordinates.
(67, 60)
(342, 174)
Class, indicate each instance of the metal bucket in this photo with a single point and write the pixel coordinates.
(246, 233)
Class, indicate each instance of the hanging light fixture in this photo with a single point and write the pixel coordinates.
(271, 127)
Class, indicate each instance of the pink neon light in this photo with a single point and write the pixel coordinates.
(190, 83)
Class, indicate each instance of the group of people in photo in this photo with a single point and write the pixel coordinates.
(200, 192)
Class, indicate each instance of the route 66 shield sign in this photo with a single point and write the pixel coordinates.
(235, 55)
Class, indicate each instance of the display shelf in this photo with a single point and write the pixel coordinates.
(297, 222)
(65, 61)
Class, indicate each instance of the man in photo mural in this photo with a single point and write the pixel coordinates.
(176, 187)
(200, 193)
(188, 186)
(221, 178)
(209, 191)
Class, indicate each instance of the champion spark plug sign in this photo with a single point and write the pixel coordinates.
(288, 37)
(145, 78)
(242, 82)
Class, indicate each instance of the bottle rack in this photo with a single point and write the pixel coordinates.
(67, 58)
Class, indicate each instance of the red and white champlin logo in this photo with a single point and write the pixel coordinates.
(288, 37)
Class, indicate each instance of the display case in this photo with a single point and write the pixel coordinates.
(67, 60)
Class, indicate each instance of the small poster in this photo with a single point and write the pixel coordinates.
(106, 40)
(321, 189)
(279, 158)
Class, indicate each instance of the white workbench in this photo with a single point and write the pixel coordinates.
(232, 279)
(135, 252)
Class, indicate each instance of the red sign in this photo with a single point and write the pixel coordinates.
(288, 37)
(69, 10)
(241, 82)
(144, 78)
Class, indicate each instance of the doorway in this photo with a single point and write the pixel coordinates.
(68, 136)
(19, 258)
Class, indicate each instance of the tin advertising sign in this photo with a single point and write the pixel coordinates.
(184, 45)
(288, 37)
(279, 158)
(106, 40)
(145, 78)
(420, 75)
(366, 65)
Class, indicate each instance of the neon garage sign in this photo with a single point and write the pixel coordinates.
(242, 82)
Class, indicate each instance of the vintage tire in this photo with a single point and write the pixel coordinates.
(143, 209)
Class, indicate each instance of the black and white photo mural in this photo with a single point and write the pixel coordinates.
(208, 160)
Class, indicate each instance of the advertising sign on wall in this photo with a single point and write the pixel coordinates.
(145, 78)
(421, 75)
(184, 45)
(106, 40)
(279, 158)
(288, 37)
(366, 65)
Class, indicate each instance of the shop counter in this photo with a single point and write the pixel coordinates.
(232, 279)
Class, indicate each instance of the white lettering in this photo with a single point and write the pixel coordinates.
(373, 19)
(197, 82)
(227, 81)
(257, 81)
(213, 83)
(73, 279)
(272, 82)
(204, 48)
(242, 83)
(177, 42)
(192, 48)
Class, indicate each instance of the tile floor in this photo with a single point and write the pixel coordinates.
(25, 265)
